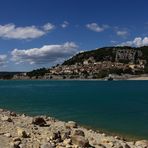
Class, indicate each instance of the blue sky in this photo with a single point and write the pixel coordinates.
(41, 33)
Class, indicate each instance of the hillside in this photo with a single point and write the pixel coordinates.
(98, 64)
(111, 54)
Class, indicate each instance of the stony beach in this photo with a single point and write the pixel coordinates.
(22, 131)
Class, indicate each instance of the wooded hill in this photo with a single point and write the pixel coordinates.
(121, 54)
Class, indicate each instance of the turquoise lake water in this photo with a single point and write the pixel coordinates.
(115, 106)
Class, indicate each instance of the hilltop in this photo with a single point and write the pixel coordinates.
(99, 63)
(123, 54)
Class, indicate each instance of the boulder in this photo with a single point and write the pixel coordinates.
(55, 136)
(65, 135)
(16, 139)
(22, 133)
(117, 137)
(6, 118)
(67, 141)
(13, 114)
(104, 135)
(71, 124)
(80, 141)
(142, 143)
(22, 146)
(23, 115)
(14, 145)
(38, 121)
(79, 133)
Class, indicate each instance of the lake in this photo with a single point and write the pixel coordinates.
(114, 106)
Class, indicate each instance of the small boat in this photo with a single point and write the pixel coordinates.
(110, 79)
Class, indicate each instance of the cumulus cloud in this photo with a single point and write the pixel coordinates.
(96, 28)
(45, 54)
(122, 33)
(3, 59)
(65, 24)
(10, 31)
(137, 42)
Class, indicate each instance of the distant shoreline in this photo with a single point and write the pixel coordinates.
(114, 77)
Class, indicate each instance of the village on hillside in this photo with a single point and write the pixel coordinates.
(126, 64)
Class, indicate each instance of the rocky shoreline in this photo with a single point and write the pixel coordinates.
(22, 131)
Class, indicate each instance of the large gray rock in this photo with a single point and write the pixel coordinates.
(80, 141)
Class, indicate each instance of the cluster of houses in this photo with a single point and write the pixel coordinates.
(90, 67)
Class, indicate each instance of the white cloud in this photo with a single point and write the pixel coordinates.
(65, 24)
(138, 42)
(45, 54)
(48, 27)
(10, 31)
(3, 59)
(96, 28)
(122, 33)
